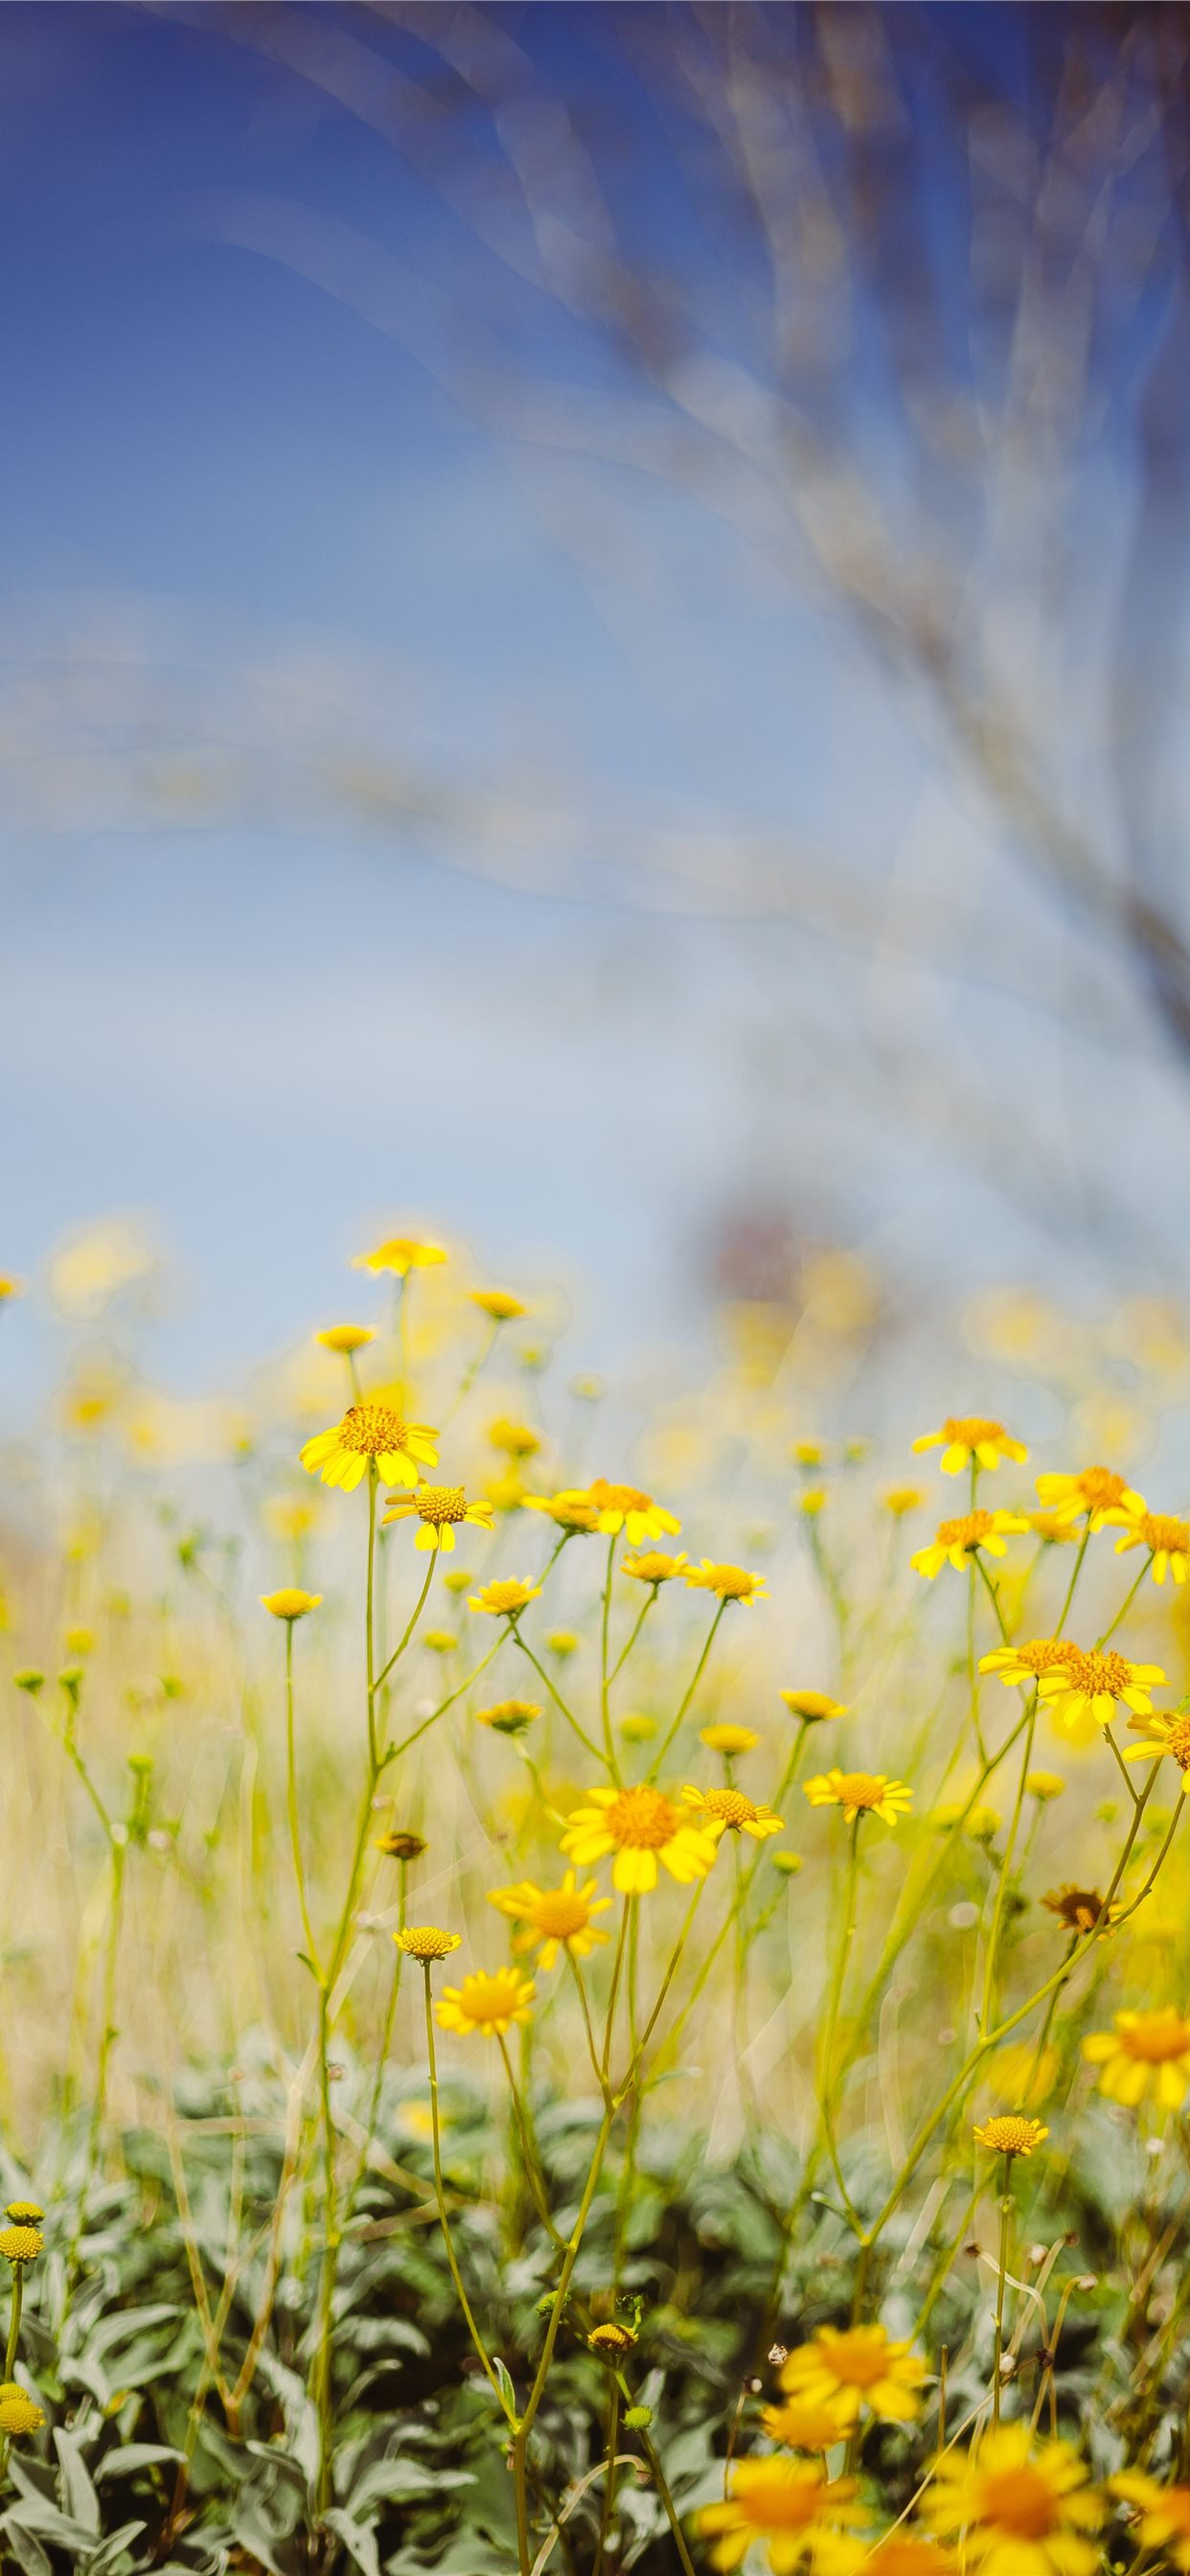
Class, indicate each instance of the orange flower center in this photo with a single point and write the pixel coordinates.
(1095, 1673)
(619, 1498)
(1099, 1486)
(372, 1429)
(559, 1912)
(1045, 1654)
(860, 1789)
(786, 2507)
(857, 2361)
(967, 1532)
(1019, 2501)
(485, 1998)
(732, 1805)
(1164, 1535)
(439, 1503)
(642, 1820)
(971, 1428)
(1157, 2036)
(1178, 1740)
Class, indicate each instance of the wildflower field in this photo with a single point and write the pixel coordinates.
(588, 1990)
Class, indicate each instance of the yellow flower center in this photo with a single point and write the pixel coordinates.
(1019, 2501)
(1164, 1535)
(1009, 2136)
(619, 1498)
(967, 1531)
(1045, 1655)
(439, 1503)
(1078, 1907)
(1100, 1486)
(971, 1428)
(787, 2506)
(487, 1998)
(642, 1820)
(1178, 1741)
(427, 1941)
(1096, 1673)
(558, 1912)
(732, 1805)
(373, 1429)
(860, 1789)
(1156, 2036)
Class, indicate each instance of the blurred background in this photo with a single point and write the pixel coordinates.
(594, 657)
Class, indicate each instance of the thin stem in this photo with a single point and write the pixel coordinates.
(533, 2175)
(1125, 1604)
(440, 2194)
(608, 1760)
(688, 1695)
(398, 1651)
(604, 1626)
(1001, 2274)
(291, 1800)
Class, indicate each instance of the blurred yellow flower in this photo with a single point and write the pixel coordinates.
(345, 1338)
(624, 1507)
(1168, 1733)
(1164, 2514)
(729, 1811)
(787, 2504)
(855, 2368)
(506, 1598)
(514, 1439)
(1167, 1539)
(498, 1304)
(291, 1516)
(1020, 2510)
(10, 1287)
(490, 2004)
(803, 2425)
(554, 1917)
(289, 1603)
(563, 1643)
(568, 1511)
(1079, 1908)
(729, 1582)
(401, 1253)
(813, 1501)
(642, 1827)
(813, 1705)
(440, 1509)
(968, 1438)
(509, 1716)
(860, 1793)
(1044, 1785)
(1028, 1659)
(1146, 2051)
(955, 1542)
(728, 1739)
(370, 1433)
(902, 1499)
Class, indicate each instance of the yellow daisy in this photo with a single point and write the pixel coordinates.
(900, 1500)
(514, 1439)
(1020, 2510)
(555, 1918)
(725, 1811)
(653, 1566)
(1079, 1908)
(400, 1254)
(860, 1793)
(1087, 1686)
(488, 2004)
(345, 1338)
(19, 2413)
(728, 1739)
(1146, 2051)
(498, 1304)
(624, 1507)
(803, 2425)
(1164, 2514)
(1092, 1492)
(730, 1582)
(856, 2367)
(1044, 1785)
(509, 1716)
(1007, 2134)
(371, 1434)
(1167, 1733)
(955, 1542)
(506, 1598)
(1167, 1538)
(786, 2504)
(967, 1437)
(289, 1603)
(641, 1826)
(1028, 1659)
(571, 1510)
(440, 1509)
(426, 1941)
(813, 1705)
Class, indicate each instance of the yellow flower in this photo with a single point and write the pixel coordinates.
(803, 2425)
(1007, 2134)
(371, 1432)
(955, 1542)
(1020, 2510)
(854, 2367)
(27, 2211)
(1147, 2051)
(860, 1793)
(653, 1567)
(728, 1739)
(642, 1827)
(562, 1642)
(491, 2004)
(787, 2504)
(808, 1453)
(637, 1727)
(289, 1603)
(812, 1705)
(21, 2244)
(1167, 1539)
(498, 1304)
(506, 1598)
(515, 1439)
(19, 2413)
(1044, 1785)
(509, 1716)
(1028, 1659)
(439, 1641)
(968, 1437)
(555, 1917)
(400, 1254)
(813, 1501)
(1023, 2073)
(730, 1582)
(1052, 1531)
(569, 1511)
(903, 1499)
(612, 2339)
(426, 1941)
(1167, 1733)
(1079, 1908)
(729, 1811)
(1087, 1686)
(1093, 1491)
(1164, 2517)
(292, 1516)
(903, 2554)
(345, 1338)
(10, 1287)
(624, 1507)
(440, 1509)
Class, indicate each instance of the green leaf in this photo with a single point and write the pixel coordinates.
(356, 2538)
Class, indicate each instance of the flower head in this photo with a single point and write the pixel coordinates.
(506, 1598)
(426, 1941)
(488, 2004)
(400, 1254)
(398, 1845)
(26, 2212)
(804, 2424)
(1167, 1733)
(1085, 1687)
(1145, 2052)
(725, 1811)
(440, 1509)
(728, 1739)
(289, 1603)
(10, 1287)
(900, 1500)
(787, 2504)
(514, 1439)
(624, 1507)
(860, 1793)
(955, 1542)
(19, 2413)
(729, 1582)
(642, 1827)
(1028, 1659)
(1007, 2134)
(509, 1716)
(554, 1917)
(653, 1566)
(498, 1304)
(813, 1705)
(612, 2340)
(370, 1434)
(571, 1510)
(969, 1438)
(1091, 1492)
(1044, 1785)
(346, 1338)
(856, 2367)
(1166, 1538)
(21, 2243)
(1164, 2514)
(1021, 2510)
(1079, 1908)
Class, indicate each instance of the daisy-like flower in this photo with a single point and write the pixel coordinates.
(653, 1566)
(488, 2004)
(555, 1918)
(1146, 2052)
(506, 1598)
(904, 2554)
(498, 1304)
(426, 1941)
(19, 2413)
(440, 1509)
(813, 1705)
(1021, 2510)
(624, 1507)
(723, 1811)
(900, 1500)
(860, 1793)
(729, 1582)
(28, 2212)
(1166, 1733)
(400, 1253)
(969, 1437)
(642, 1827)
(1166, 1538)
(571, 1510)
(1164, 2514)
(1087, 1686)
(21, 2244)
(10, 1287)
(1079, 1908)
(1090, 1493)
(1007, 2134)
(289, 1603)
(1051, 1531)
(1044, 1785)
(955, 1542)
(728, 1739)
(802, 2425)
(787, 2505)
(514, 1439)
(372, 1433)
(1028, 1660)
(509, 1716)
(346, 1338)
(849, 2368)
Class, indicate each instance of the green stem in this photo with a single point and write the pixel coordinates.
(1001, 2275)
(440, 2194)
(291, 1800)
(695, 1679)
